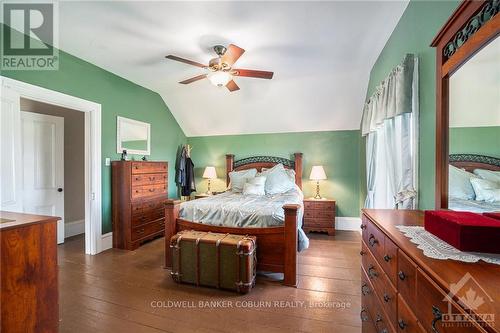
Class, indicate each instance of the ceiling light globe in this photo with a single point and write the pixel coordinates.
(220, 79)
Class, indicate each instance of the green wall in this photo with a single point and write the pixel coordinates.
(475, 140)
(118, 97)
(337, 151)
(413, 34)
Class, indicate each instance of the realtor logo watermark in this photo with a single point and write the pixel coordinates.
(29, 36)
(470, 296)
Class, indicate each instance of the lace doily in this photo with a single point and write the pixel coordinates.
(435, 248)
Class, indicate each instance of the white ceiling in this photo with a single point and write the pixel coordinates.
(321, 54)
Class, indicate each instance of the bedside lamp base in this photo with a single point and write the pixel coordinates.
(318, 196)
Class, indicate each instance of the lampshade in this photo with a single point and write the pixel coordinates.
(210, 172)
(220, 78)
(317, 173)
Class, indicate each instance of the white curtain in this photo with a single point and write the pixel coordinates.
(389, 123)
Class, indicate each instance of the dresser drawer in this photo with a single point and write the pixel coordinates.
(146, 191)
(389, 260)
(147, 229)
(149, 179)
(407, 320)
(146, 217)
(407, 274)
(433, 302)
(318, 223)
(319, 205)
(373, 238)
(140, 207)
(367, 304)
(148, 167)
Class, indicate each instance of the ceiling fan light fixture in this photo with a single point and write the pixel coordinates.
(220, 79)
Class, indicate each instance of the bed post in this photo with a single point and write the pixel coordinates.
(291, 240)
(298, 169)
(229, 166)
(171, 215)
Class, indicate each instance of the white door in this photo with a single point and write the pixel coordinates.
(43, 161)
(11, 187)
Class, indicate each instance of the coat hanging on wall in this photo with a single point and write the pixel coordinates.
(185, 171)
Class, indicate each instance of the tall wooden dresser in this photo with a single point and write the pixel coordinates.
(405, 291)
(139, 192)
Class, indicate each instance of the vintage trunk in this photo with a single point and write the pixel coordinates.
(216, 260)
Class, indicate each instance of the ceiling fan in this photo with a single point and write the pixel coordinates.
(221, 72)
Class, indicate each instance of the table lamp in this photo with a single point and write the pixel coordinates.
(209, 174)
(317, 174)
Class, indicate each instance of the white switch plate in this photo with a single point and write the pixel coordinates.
(108, 161)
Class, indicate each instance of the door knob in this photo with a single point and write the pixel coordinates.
(59, 189)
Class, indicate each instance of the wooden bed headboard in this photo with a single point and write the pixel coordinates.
(259, 162)
(469, 162)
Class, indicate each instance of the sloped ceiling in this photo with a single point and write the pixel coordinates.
(321, 54)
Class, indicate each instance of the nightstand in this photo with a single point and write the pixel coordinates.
(319, 215)
(204, 195)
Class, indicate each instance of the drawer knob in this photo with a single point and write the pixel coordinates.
(438, 315)
(363, 315)
(402, 324)
(384, 331)
(363, 226)
(386, 298)
(372, 240)
(365, 290)
(362, 252)
(402, 275)
(140, 231)
(372, 272)
(387, 258)
(378, 319)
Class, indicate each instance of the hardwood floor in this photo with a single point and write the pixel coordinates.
(129, 291)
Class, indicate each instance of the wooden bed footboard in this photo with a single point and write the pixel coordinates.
(276, 246)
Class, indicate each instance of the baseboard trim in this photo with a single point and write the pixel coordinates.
(348, 223)
(106, 241)
(74, 228)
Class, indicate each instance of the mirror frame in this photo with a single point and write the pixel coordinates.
(457, 42)
(119, 148)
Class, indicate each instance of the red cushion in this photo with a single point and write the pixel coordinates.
(465, 231)
(494, 215)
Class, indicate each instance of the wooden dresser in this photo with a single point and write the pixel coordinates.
(319, 215)
(139, 192)
(405, 291)
(28, 273)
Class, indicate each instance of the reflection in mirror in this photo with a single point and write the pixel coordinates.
(474, 133)
(133, 136)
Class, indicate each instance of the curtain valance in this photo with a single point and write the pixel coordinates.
(393, 96)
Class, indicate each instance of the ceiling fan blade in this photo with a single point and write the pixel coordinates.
(193, 79)
(232, 86)
(186, 61)
(233, 53)
(253, 73)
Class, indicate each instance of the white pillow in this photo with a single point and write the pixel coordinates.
(278, 180)
(492, 176)
(239, 178)
(486, 190)
(459, 185)
(255, 186)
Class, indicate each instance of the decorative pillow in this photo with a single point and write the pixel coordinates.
(255, 186)
(278, 180)
(459, 185)
(492, 176)
(239, 178)
(486, 190)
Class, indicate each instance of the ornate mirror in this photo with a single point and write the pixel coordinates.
(468, 109)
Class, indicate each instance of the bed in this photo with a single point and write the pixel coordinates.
(470, 162)
(277, 237)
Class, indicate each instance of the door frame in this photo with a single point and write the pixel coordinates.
(93, 185)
